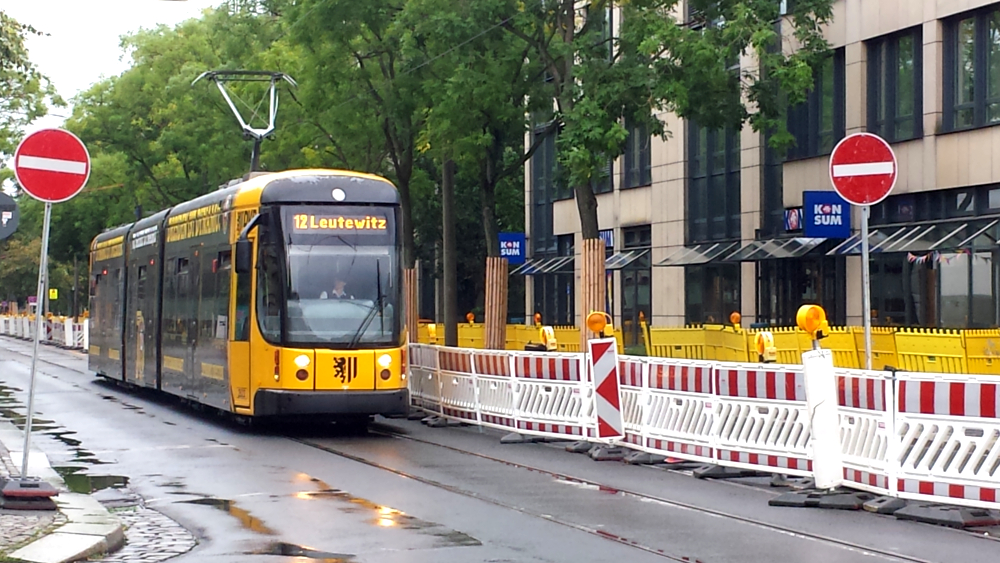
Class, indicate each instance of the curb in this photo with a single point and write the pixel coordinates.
(89, 529)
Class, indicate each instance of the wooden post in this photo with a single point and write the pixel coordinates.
(496, 303)
(592, 285)
(412, 305)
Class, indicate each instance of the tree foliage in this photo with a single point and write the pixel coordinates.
(23, 90)
(394, 87)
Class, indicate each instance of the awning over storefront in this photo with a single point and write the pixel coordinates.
(624, 259)
(773, 249)
(698, 254)
(922, 238)
(548, 265)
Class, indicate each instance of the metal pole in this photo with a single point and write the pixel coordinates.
(42, 273)
(866, 287)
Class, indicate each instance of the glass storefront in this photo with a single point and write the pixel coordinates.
(785, 285)
(711, 293)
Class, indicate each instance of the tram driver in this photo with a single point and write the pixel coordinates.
(338, 290)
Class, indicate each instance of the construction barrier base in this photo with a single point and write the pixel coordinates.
(836, 500)
(721, 472)
(884, 505)
(951, 516)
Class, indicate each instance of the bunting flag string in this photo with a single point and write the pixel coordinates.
(937, 257)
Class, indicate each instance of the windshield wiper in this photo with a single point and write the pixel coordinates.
(377, 306)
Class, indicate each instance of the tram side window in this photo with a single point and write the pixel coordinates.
(223, 272)
(242, 333)
(140, 287)
(268, 291)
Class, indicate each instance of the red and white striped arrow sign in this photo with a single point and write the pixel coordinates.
(52, 165)
(603, 358)
(863, 169)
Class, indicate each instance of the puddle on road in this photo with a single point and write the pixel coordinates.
(299, 551)
(247, 520)
(86, 484)
(386, 517)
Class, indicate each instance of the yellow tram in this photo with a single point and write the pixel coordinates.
(279, 295)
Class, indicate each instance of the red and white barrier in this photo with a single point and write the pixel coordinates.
(554, 395)
(948, 439)
(680, 412)
(866, 426)
(761, 419)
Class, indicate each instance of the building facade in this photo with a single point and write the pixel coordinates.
(709, 222)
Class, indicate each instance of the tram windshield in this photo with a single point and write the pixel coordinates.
(343, 276)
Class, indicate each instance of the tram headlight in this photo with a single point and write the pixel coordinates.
(385, 375)
(302, 361)
(385, 360)
(302, 375)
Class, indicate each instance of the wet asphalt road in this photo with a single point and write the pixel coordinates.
(408, 493)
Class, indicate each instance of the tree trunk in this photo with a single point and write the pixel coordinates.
(592, 285)
(496, 303)
(411, 304)
(450, 260)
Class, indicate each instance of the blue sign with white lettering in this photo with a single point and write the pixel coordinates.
(827, 215)
(512, 247)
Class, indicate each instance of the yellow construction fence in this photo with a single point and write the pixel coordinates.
(907, 349)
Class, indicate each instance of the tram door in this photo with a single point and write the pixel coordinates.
(239, 344)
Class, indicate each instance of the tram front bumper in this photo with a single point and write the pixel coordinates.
(278, 402)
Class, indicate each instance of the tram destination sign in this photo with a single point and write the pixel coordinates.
(320, 223)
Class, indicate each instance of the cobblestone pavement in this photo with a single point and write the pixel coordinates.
(18, 526)
(150, 537)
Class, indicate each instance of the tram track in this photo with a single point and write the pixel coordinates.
(388, 431)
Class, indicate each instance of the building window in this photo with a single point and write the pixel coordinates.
(818, 122)
(544, 191)
(895, 86)
(713, 192)
(637, 287)
(972, 70)
(638, 157)
(711, 293)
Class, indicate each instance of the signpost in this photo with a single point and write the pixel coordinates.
(863, 171)
(51, 165)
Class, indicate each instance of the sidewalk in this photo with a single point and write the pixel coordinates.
(81, 528)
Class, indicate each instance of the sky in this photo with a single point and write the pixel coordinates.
(82, 44)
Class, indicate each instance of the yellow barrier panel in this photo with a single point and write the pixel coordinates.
(726, 344)
(883, 346)
(680, 343)
(930, 350)
(982, 351)
(839, 340)
(471, 335)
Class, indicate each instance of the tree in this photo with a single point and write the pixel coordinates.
(480, 88)
(23, 90)
(662, 60)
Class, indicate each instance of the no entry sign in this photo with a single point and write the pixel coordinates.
(863, 169)
(52, 165)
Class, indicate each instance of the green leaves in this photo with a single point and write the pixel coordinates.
(23, 90)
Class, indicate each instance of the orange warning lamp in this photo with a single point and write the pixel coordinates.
(597, 321)
(470, 317)
(538, 318)
(735, 318)
(812, 320)
(767, 352)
